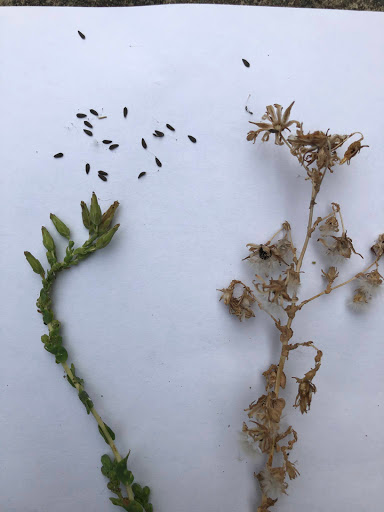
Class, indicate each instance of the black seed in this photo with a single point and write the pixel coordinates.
(107, 141)
(88, 124)
(103, 173)
(94, 112)
(170, 127)
(87, 168)
(104, 178)
(113, 146)
(81, 116)
(246, 63)
(143, 143)
(158, 133)
(88, 132)
(81, 34)
(191, 138)
(158, 162)
(125, 111)
(141, 175)
(58, 155)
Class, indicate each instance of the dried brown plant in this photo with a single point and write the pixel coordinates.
(278, 265)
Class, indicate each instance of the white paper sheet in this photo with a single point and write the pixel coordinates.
(166, 366)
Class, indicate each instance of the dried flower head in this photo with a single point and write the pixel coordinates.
(342, 246)
(304, 395)
(260, 438)
(371, 282)
(248, 442)
(378, 247)
(272, 481)
(278, 122)
(317, 147)
(291, 470)
(268, 408)
(331, 225)
(239, 306)
(276, 289)
(352, 151)
(330, 276)
(360, 301)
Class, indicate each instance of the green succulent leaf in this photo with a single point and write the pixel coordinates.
(61, 355)
(110, 432)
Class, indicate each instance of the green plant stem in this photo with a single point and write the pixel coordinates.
(101, 424)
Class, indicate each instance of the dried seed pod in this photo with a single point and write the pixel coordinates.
(125, 111)
(246, 63)
(87, 168)
(158, 133)
(103, 173)
(143, 173)
(158, 162)
(170, 127)
(81, 34)
(87, 123)
(113, 146)
(107, 141)
(143, 143)
(92, 111)
(102, 177)
(81, 116)
(58, 155)
(192, 139)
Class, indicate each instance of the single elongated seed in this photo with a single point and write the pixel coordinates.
(81, 115)
(93, 112)
(58, 155)
(107, 141)
(81, 34)
(103, 173)
(88, 132)
(191, 138)
(170, 127)
(158, 133)
(141, 175)
(125, 111)
(113, 146)
(158, 162)
(87, 168)
(143, 143)
(246, 63)
(87, 123)
(102, 177)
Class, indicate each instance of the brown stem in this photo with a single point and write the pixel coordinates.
(328, 290)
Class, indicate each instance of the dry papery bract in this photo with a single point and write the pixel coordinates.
(277, 263)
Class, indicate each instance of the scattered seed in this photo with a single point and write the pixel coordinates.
(87, 168)
(170, 127)
(158, 133)
(141, 175)
(102, 117)
(107, 141)
(104, 178)
(143, 143)
(103, 173)
(158, 162)
(93, 112)
(81, 115)
(191, 138)
(87, 123)
(58, 155)
(81, 34)
(88, 132)
(125, 111)
(113, 146)
(247, 110)
(246, 63)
